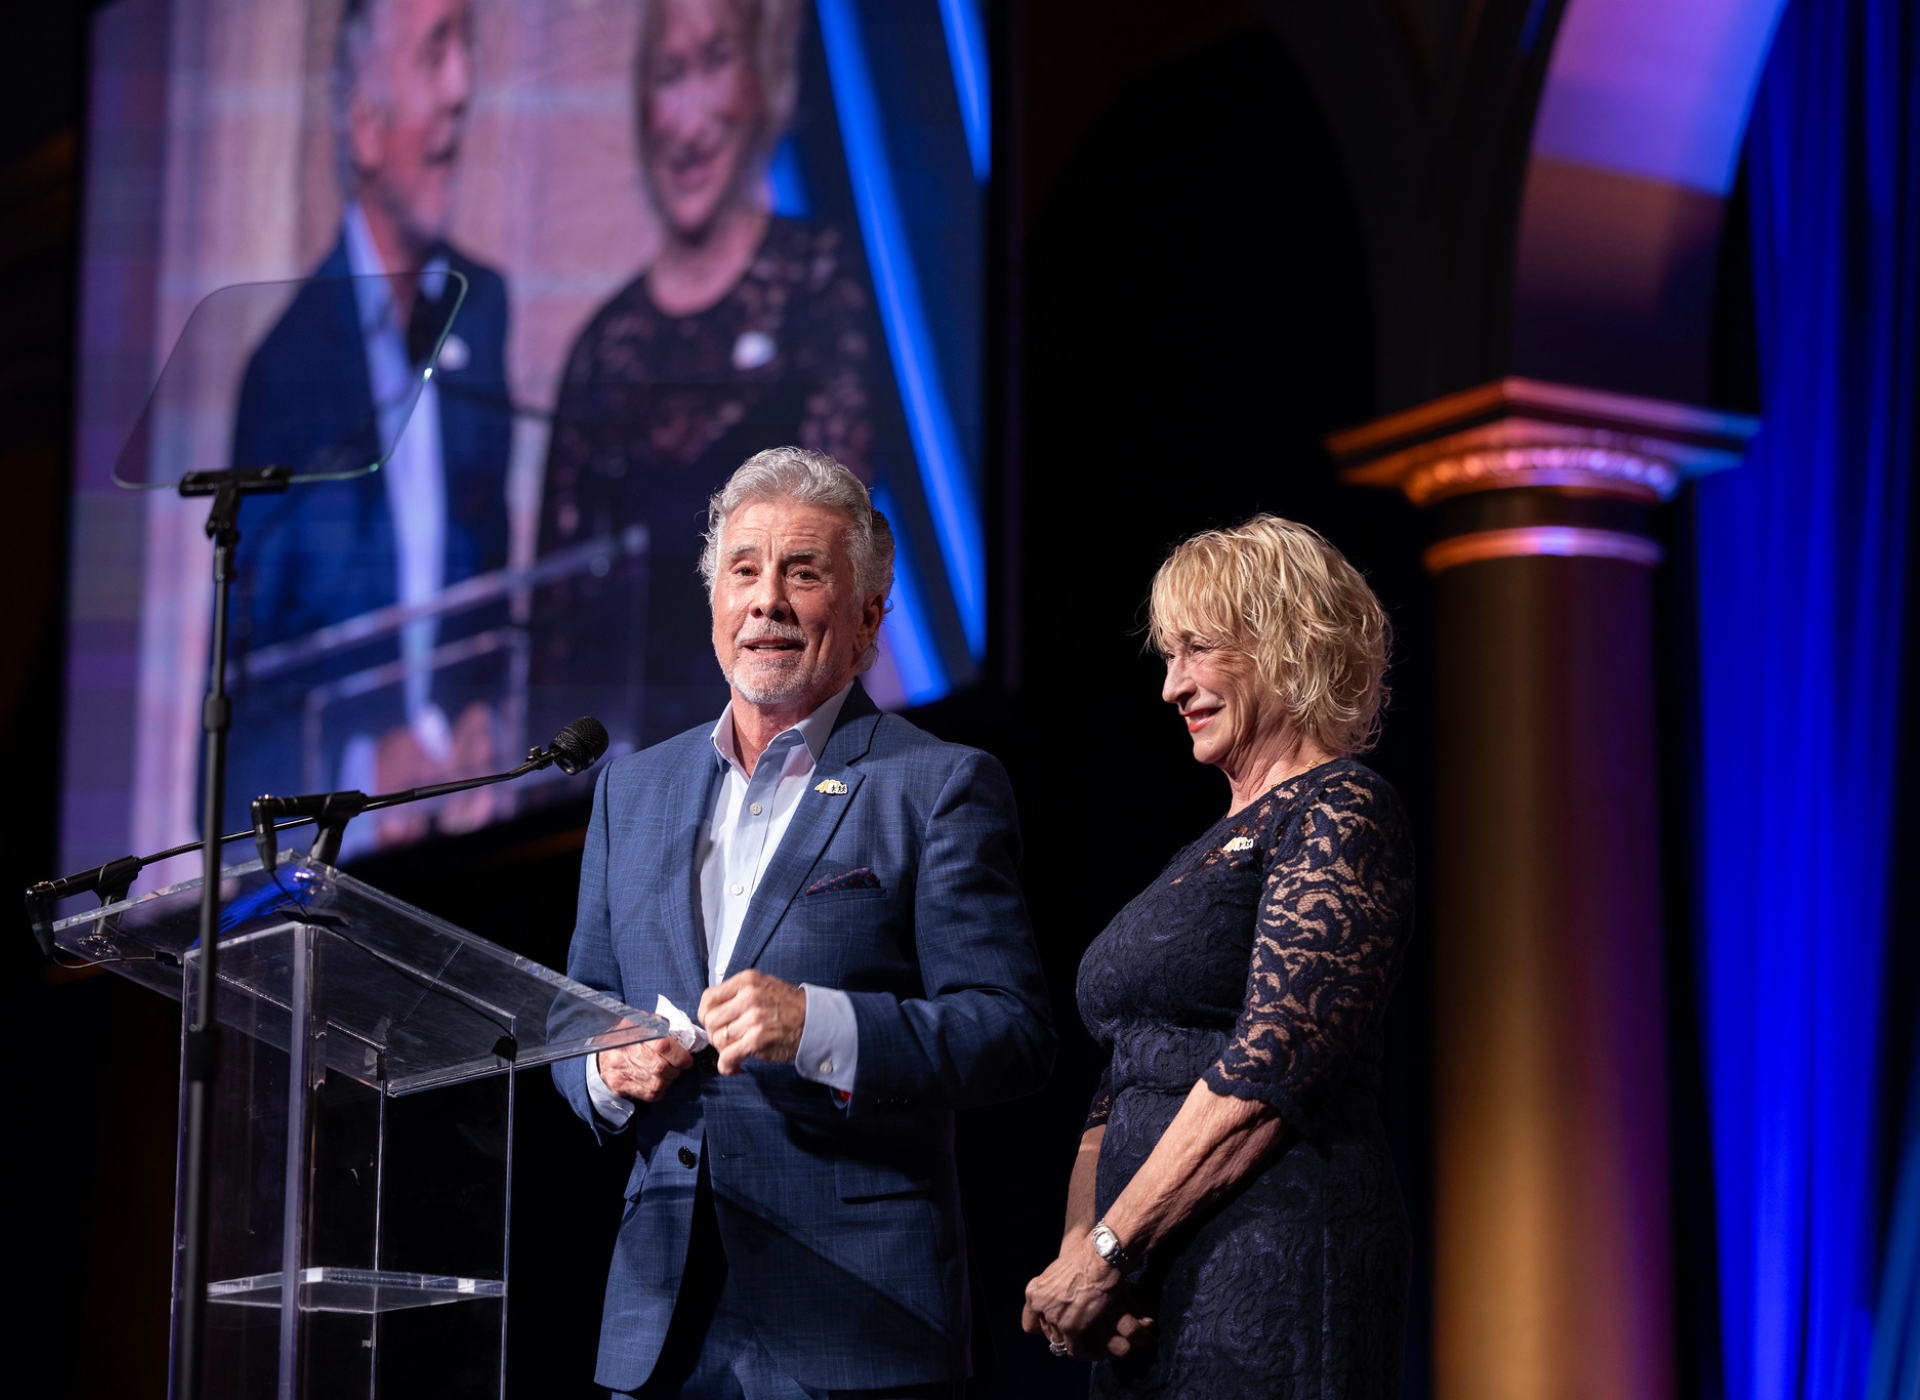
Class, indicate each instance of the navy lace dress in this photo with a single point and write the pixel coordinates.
(1260, 961)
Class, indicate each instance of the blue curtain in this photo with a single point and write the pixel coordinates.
(1802, 557)
(1896, 1330)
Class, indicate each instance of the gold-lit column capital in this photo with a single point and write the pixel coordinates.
(1522, 467)
(1551, 1229)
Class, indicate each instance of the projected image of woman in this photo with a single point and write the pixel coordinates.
(746, 331)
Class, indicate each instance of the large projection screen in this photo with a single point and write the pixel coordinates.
(689, 230)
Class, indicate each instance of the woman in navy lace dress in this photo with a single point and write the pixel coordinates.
(1234, 1228)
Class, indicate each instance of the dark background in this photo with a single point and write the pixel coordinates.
(1179, 307)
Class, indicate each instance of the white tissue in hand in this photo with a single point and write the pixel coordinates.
(680, 1026)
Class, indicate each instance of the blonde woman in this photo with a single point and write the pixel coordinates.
(746, 330)
(1234, 1228)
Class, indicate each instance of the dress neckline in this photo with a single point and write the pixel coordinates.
(1269, 792)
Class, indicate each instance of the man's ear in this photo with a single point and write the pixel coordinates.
(872, 615)
(366, 132)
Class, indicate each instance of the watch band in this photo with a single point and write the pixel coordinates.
(1106, 1244)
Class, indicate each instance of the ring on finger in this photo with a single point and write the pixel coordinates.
(1058, 1348)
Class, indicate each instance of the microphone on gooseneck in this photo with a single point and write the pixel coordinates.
(574, 749)
(579, 746)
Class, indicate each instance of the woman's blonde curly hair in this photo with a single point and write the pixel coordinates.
(771, 30)
(1279, 592)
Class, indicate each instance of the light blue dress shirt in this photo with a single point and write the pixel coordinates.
(415, 468)
(749, 817)
(415, 475)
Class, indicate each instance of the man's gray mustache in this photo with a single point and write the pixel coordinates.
(771, 634)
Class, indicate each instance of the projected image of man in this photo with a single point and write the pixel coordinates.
(333, 383)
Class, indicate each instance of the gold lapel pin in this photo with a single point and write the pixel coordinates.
(1239, 843)
(833, 787)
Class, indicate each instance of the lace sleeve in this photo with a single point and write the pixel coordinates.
(1332, 923)
(1102, 1102)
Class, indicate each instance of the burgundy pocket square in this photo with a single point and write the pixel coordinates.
(861, 879)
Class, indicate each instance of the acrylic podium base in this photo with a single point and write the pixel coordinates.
(362, 1126)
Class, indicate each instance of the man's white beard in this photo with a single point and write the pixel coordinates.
(774, 690)
(775, 687)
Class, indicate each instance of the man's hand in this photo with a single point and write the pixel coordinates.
(752, 1014)
(642, 1072)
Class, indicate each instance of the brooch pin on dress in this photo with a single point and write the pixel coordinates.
(1239, 843)
(833, 787)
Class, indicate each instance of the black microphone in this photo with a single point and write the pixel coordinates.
(330, 811)
(579, 746)
(110, 881)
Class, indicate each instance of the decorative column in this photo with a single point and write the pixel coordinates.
(1551, 1213)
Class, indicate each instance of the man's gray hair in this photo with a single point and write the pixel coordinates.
(815, 479)
(353, 46)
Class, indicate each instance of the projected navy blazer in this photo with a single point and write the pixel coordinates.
(325, 552)
(841, 1222)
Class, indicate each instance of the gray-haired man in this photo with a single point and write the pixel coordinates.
(831, 892)
(343, 359)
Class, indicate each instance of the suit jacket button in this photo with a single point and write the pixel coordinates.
(687, 1159)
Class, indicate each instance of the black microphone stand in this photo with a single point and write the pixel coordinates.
(228, 489)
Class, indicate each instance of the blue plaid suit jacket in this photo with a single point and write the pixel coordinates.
(842, 1224)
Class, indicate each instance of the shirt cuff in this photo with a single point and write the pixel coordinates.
(829, 1050)
(609, 1105)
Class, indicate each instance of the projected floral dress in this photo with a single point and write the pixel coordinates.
(1260, 961)
(654, 413)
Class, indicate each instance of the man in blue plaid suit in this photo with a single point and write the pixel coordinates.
(833, 891)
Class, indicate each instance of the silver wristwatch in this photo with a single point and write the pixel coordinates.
(1106, 1244)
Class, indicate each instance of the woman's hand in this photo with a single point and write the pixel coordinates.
(1079, 1300)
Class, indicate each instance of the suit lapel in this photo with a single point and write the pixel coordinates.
(814, 822)
(344, 346)
(343, 342)
(689, 799)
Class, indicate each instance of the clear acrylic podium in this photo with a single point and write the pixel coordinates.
(362, 1127)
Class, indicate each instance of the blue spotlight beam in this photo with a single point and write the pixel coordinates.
(909, 634)
(944, 473)
(967, 51)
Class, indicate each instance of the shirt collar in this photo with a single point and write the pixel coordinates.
(814, 730)
(375, 296)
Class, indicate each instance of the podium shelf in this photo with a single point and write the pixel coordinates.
(356, 1290)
